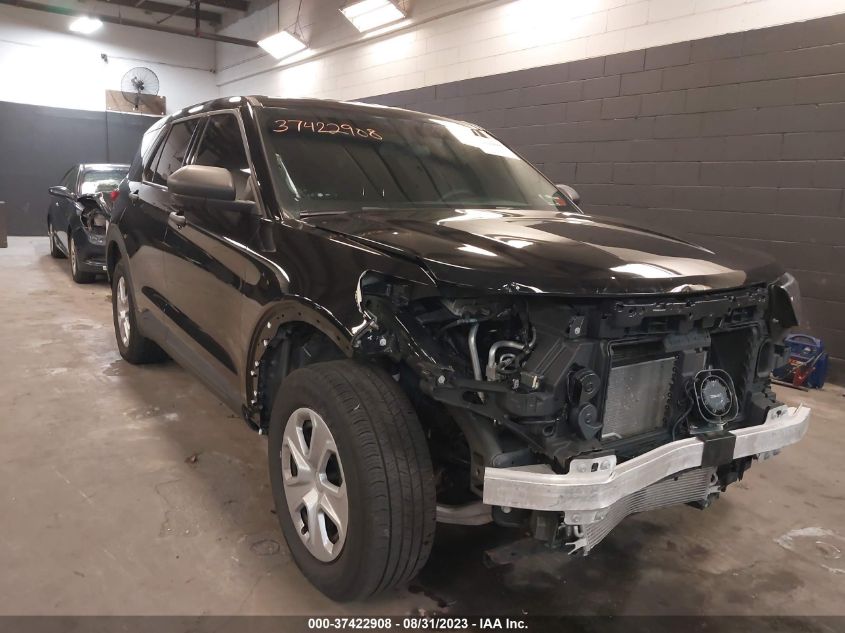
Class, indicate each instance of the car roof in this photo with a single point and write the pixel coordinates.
(263, 101)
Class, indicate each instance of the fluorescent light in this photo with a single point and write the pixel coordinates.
(282, 44)
(363, 6)
(371, 14)
(85, 25)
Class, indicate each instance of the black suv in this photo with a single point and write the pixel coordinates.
(430, 330)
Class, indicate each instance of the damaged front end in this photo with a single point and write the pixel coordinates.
(94, 214)
(563, 415)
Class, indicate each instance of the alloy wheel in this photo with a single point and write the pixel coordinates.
(72, 252)
(123, 324)
(315, 487)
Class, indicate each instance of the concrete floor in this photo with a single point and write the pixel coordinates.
(105, 511)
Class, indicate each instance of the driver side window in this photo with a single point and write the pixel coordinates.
(222, 146)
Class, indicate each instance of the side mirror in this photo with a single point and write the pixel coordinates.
(61, 192)
(570, 192)
(199, 181)
(210, 187)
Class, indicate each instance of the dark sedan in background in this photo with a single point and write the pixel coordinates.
(77, 217)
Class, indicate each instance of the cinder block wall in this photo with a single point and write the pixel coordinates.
(740, 136)
(39, 144)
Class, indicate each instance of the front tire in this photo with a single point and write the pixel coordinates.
(79, 276)
(352, 479)
(134, 347)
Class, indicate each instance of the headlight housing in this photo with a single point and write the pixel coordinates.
(97, 220)
(786, 301)
(94, 220)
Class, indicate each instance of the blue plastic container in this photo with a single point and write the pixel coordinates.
(805, 350)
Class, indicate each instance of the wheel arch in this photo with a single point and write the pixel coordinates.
(289, 318)
(113, 255)
(337, 327)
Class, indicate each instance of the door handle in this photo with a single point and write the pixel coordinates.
(134, 196)
(178, 219)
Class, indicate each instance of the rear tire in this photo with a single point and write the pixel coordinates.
(78, 275)
(383, 476)
(133, 346)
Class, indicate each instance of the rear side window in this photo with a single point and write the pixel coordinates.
(135, 167)
(147, 143)
(171, 153)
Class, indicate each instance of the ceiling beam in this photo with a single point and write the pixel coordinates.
(237, 5)
(111, 19)
(160, 7)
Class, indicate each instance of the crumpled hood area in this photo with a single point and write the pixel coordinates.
(516, 251)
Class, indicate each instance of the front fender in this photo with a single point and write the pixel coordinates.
(291, 310)
(115, 249)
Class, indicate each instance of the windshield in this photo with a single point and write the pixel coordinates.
(101, 181)
(329, 160)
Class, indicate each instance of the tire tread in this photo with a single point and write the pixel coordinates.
(390, 440)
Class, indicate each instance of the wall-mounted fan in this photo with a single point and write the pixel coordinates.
(138, 82)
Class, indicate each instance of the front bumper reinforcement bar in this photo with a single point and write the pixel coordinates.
(594, 484)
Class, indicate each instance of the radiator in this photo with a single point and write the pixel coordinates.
(636, 397)
(692, 485)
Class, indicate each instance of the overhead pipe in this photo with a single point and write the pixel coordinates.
(236, 5)
(152, 6)
(35, 6)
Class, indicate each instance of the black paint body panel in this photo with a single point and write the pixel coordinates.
(207, 290)
(543, 252)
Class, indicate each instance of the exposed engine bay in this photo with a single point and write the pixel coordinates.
(523, 381)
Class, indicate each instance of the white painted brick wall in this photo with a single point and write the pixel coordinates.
(476, 41)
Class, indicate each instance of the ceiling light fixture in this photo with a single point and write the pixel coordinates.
(85, 25)
(366, 15)
(282, 44)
